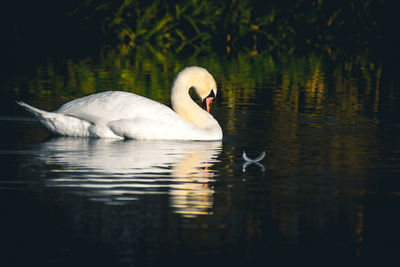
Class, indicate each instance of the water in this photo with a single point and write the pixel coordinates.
(327, 193)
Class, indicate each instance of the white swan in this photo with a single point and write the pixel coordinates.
(116, 114)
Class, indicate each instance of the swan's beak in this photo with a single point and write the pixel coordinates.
(208, 101)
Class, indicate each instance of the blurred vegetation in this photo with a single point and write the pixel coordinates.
(283, 83)
(239, 25)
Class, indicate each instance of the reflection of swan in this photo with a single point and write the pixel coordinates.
(125, 115)
(117, 171)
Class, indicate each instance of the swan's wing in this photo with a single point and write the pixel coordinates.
(165, 127)
(113, 105)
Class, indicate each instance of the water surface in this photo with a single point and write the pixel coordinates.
(327, 194)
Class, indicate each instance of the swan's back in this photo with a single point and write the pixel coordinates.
(113, 105)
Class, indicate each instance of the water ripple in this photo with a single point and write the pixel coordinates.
(117, 172)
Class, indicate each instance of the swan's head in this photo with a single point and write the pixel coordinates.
(202, 81)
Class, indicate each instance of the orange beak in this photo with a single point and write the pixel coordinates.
(208, 101)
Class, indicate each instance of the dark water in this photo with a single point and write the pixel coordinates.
(327, 194)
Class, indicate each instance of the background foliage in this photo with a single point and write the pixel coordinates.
(241, 25)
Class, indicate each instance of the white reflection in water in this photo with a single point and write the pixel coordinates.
(117, 172)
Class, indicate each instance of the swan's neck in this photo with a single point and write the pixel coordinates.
(184, 106)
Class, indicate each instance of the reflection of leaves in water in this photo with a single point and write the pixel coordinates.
(294, 84)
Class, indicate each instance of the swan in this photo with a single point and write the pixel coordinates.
(116, 114)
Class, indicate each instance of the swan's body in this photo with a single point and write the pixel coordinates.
(116, 114)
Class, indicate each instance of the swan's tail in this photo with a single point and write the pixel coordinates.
(37, 112)
(58, 123)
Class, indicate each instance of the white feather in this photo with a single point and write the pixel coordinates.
(257, 159)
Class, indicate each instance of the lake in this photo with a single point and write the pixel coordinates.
(326, 194)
